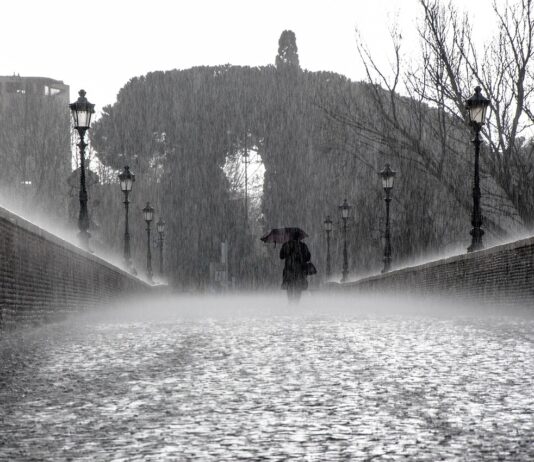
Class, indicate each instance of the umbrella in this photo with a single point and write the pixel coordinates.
(281, 235)
(91, 178)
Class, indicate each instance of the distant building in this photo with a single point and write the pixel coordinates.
(35, 147)
(43, 86)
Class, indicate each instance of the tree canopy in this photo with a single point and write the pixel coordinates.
(177, 130)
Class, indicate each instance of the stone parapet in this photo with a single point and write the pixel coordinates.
(44, 278)
(500, 274)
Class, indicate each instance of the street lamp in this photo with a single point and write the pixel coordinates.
(344, 210)
(82, 110)
(126, 179)
(160, 226)
(148, 213)
(388, 177)
(476, 107)
(328, 230)
(246, 161)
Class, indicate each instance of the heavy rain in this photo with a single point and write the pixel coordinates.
(307, 240)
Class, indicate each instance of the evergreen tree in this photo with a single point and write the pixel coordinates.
(287, 51)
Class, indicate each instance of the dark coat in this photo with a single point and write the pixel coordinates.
(296, 255)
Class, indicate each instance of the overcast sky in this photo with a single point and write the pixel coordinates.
(99, 45)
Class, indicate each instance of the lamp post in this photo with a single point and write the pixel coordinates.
(328, 230)
(246, 161)
(148, 213)
(476, 107)
(344, 209)
(388, 176)
(126, 179)
(82, 110)
(160, 226)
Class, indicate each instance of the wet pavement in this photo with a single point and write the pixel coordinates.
(242, 379)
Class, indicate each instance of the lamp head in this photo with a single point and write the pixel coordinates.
(160, 225)
(148, 213)
(126, 179)
(344, 209)
(328, 224)
(476, 107)
(82, 110)
(388, 177)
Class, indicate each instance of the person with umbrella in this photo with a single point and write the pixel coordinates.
(297, 260)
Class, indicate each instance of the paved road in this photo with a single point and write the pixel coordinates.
(251, 379)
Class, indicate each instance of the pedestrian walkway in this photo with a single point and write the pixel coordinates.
(240, 378)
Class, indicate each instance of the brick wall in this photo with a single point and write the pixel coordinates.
(43, 277)
(501, 274)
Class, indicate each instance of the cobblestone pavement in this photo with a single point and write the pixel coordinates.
(193, 380)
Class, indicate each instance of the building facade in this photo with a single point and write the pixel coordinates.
(35, 148)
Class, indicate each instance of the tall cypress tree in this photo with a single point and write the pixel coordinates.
(287, 50)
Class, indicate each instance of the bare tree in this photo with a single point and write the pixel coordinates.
(453, 65)
(429, 125)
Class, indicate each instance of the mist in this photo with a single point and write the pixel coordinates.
(228, 180)
(330, 304)
(220, 377)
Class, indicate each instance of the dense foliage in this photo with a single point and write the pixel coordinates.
(178, 129)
